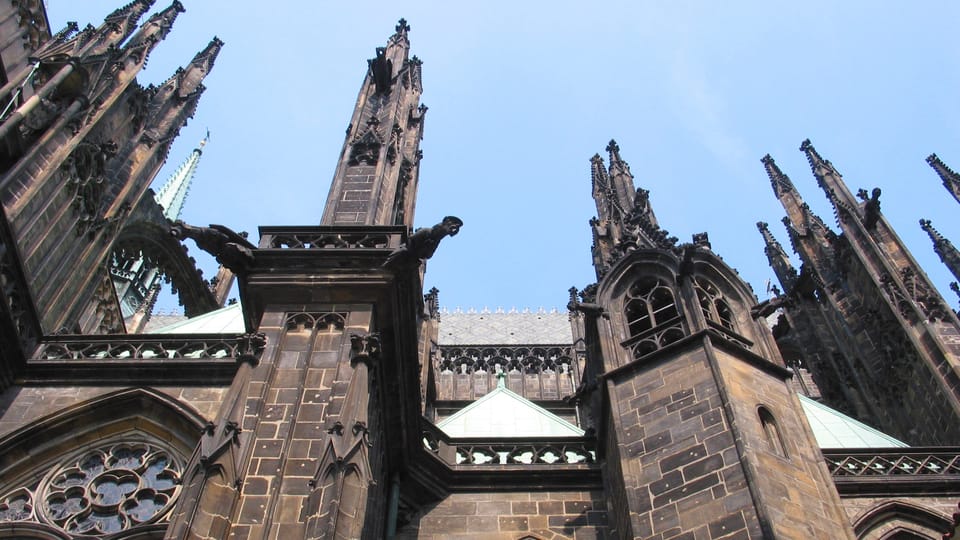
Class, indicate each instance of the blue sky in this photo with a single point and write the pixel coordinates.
(521, 94)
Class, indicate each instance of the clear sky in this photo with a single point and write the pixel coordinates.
(521, 94)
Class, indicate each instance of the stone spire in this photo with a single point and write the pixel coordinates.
(944, 248)
(830, 180)
(157, 26)
(376, 180)
(778, 258)
(625, 219)
(780, 182)
(621, 180)
(951, 180)
(137, 281)
(174, 191)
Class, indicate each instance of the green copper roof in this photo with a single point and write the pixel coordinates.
(834, 429)
(226, 320)
(174, 191)
(503, 413)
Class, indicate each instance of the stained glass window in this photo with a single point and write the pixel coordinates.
(104, 490)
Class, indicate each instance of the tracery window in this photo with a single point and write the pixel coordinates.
(653, 319)
(650, 303)
(103, 490)
(713, 305)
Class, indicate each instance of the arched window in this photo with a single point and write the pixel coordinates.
(771, 431)
(649, 303)
(653, 319)
(104, 489)
(713, 305)
(108, 466)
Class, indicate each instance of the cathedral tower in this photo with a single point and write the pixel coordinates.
(701, 432)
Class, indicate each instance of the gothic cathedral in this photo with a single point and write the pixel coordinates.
(336, 399)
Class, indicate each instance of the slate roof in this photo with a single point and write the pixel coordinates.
(505, 328)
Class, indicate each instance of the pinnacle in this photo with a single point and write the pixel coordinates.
(779, 181)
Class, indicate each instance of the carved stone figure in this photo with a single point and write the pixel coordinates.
(231, 249)
(424, 242)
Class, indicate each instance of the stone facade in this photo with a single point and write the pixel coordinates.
(319, 418)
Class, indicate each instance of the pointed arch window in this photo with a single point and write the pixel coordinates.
(650, 303)
(715, 308)
(771, 431)
(652, 316)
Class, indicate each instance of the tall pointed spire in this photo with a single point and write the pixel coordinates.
(625, 219)
(798, 213)
(376, 180)
(173, 193)
(621, 180)
(191, 77)
(780, 182)
(951, 180)
(830, 180)
(943, 247)
(778, 258)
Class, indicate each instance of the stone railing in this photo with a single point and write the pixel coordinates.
(730, 335)
(505, 359)
(656, 338)
(142, 359)
(333, 237)
(873, 471)
(534, 451)
(893, 463)
(148, 347)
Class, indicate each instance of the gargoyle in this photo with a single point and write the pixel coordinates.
(423, 243)
(232, 250)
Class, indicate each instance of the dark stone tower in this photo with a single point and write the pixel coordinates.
(701, 432)
(313, 436)
(886, 339)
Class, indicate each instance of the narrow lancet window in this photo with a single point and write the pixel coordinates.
(771, 431)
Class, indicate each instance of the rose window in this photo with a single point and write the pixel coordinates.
(101, 491)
